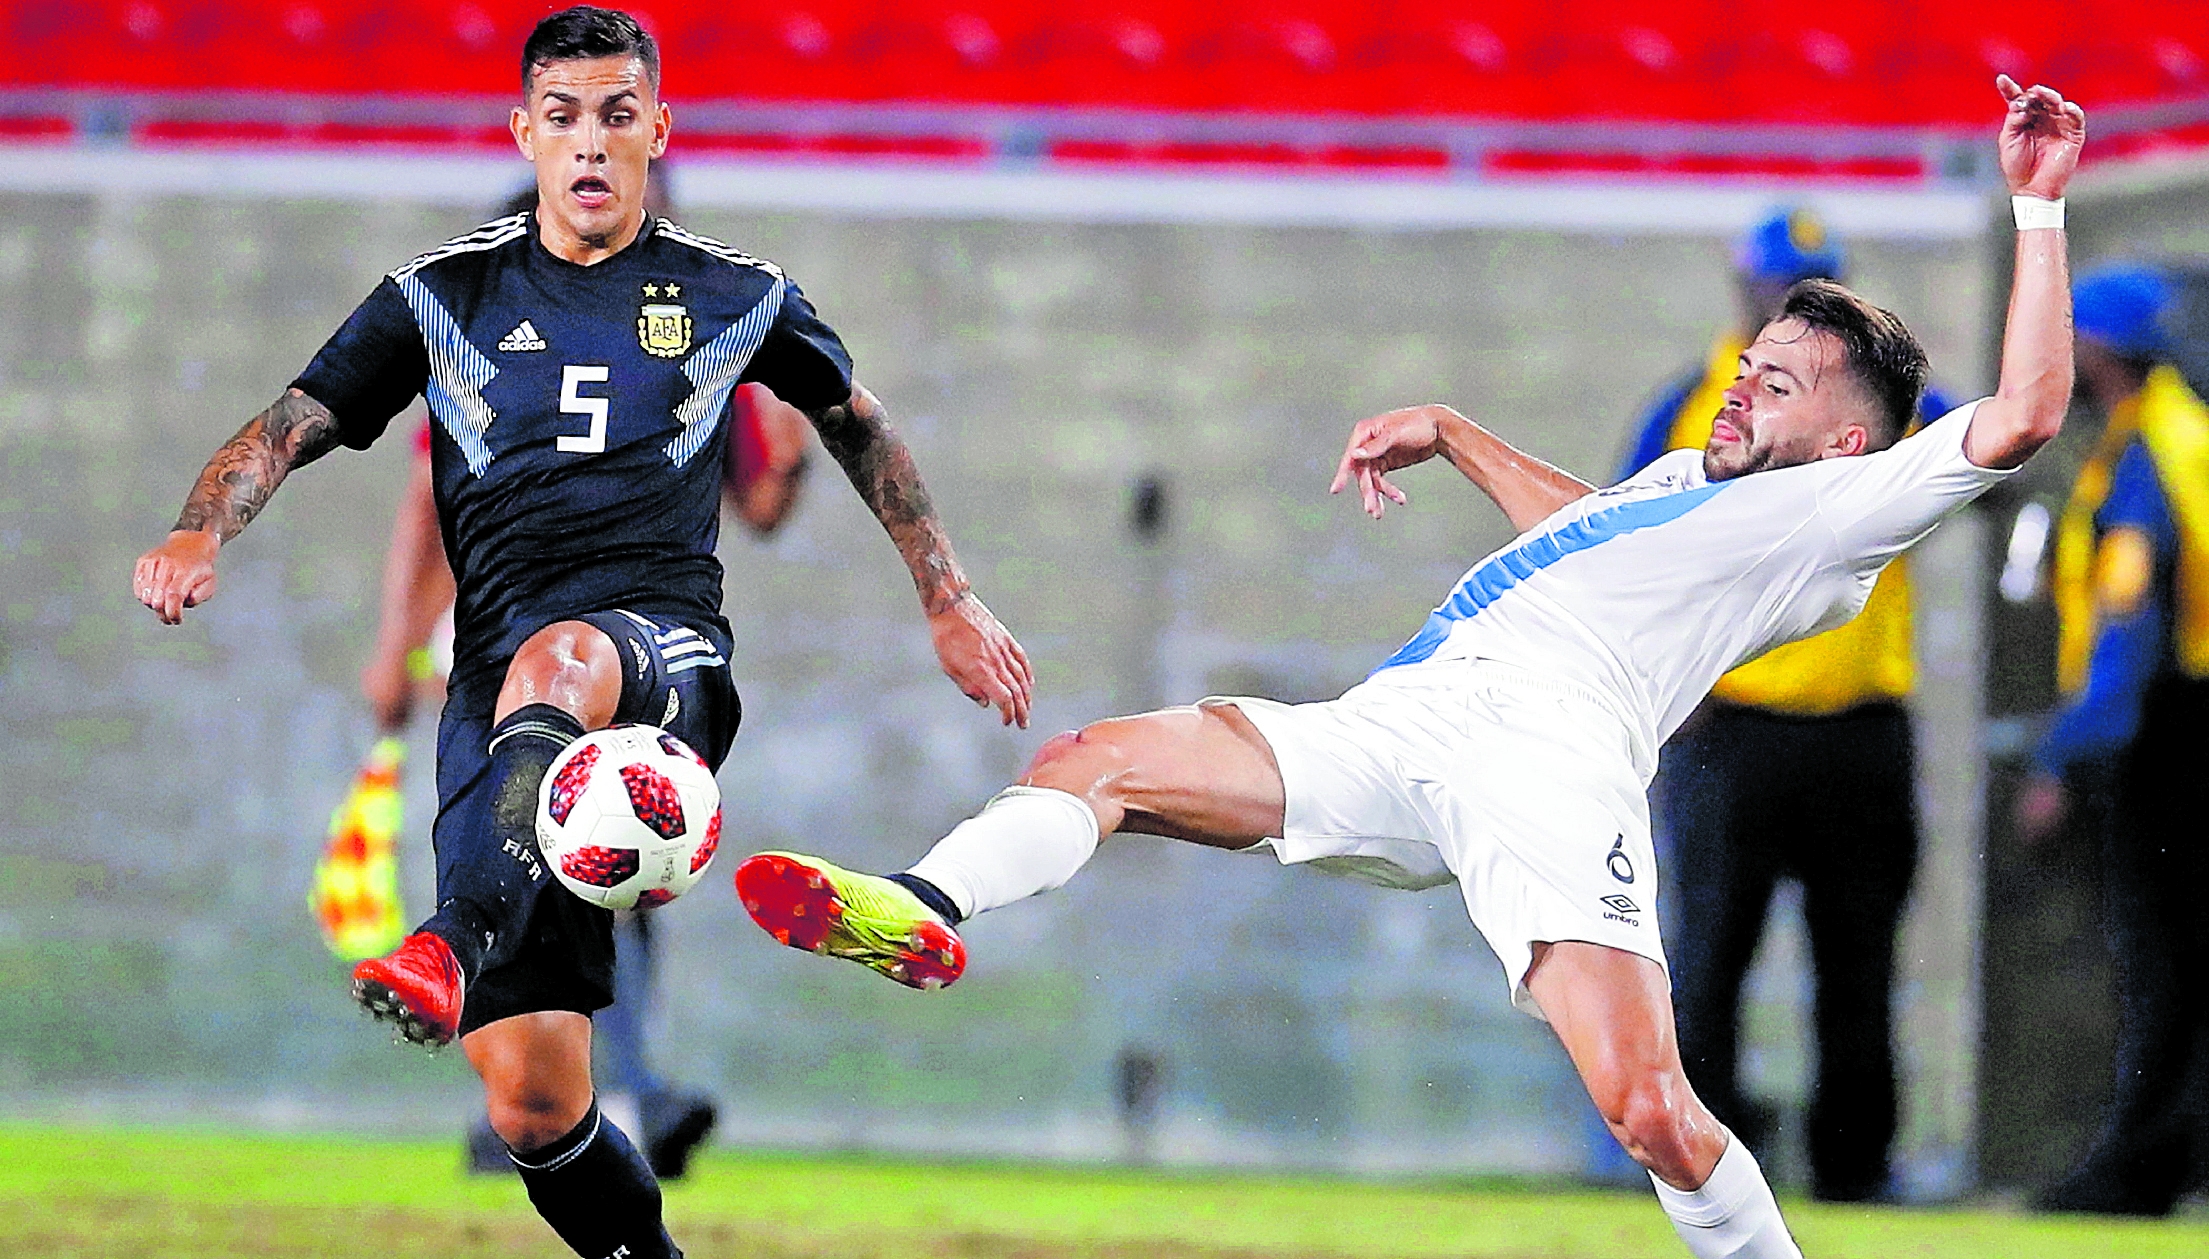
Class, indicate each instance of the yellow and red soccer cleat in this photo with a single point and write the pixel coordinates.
(355, 897)
(417, 989)
(809, 904)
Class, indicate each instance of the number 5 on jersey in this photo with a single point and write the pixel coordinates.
(573, 403)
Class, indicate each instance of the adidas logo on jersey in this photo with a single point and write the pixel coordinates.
(523, 337)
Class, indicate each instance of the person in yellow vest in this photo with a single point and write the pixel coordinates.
(1800, 766)
(2130, 744)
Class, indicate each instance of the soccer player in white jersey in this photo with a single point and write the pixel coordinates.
(1509, 745)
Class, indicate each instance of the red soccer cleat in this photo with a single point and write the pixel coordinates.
(416, 988)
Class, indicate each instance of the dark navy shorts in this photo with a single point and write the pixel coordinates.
(675, 677)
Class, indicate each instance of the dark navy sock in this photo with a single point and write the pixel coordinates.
(596, 1192)
(487, 893)
(929, 894)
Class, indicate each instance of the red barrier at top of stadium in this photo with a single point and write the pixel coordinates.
(1876, 63)
(1883, 91)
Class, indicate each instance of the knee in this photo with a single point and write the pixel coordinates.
(531, 1117)
(1082, 751)
(564, 649)
(570, 664)
(1656, 1117)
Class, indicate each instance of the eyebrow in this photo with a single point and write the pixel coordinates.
(1770, 367)
(568, 98)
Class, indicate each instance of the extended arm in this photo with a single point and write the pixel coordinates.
(2040, 142)
(977, 653)
(232, 489)
(1526, 488)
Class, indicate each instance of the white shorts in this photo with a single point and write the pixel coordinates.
(1522, 789)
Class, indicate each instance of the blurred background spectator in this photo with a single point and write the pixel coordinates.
(2127, 757)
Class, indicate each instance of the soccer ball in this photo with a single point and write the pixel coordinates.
(628, 817)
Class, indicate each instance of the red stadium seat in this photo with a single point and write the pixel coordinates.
(1847, 64)
(1489, 58)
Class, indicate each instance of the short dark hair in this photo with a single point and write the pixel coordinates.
(583, 32)
(1882, 354)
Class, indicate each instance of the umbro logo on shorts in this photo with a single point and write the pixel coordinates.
(523, 337)
(1622, 904)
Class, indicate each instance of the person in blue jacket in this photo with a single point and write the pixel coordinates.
(2128, 751)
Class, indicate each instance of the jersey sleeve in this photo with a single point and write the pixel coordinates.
(371, 367)
(802, 360)
(1879, 505)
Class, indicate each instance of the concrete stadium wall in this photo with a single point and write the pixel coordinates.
(169, 786)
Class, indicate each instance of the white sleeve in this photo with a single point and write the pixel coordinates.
(1878, 505)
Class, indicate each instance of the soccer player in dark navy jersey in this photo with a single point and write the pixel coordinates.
(579, 362)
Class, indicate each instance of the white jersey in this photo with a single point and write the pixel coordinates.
(1649, 591)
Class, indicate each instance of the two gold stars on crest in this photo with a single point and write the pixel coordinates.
(671, 289)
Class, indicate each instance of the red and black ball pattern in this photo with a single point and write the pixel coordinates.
(652, 794)
(600, 867)
(568, 784)
(705, 850)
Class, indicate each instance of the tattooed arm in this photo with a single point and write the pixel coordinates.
(232, 489)
(978, 654)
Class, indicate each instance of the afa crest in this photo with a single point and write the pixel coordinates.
(664, 330)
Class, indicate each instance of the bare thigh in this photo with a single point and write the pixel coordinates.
(1201, 773)
(1613, 1012)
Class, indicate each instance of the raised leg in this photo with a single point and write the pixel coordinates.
(565, 680)
(1201, 773)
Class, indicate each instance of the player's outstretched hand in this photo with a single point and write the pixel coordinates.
(1396, 439)
(982, 657)
(2041, 139)
(178, 574)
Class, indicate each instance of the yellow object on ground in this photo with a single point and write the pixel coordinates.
(355, 896)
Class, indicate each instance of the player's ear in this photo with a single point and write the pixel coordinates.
(663, 124)
(518, 123)
(1853, 439)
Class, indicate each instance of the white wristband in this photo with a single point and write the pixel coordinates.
(2036, 212)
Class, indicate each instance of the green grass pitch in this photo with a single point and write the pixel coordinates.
(71, 1192)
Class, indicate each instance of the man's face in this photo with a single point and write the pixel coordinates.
(1794, 402)
(592, 128)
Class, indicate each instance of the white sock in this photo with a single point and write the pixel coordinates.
(1025, 840)
(1733, 1216)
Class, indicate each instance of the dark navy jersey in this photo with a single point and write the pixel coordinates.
(577, 410)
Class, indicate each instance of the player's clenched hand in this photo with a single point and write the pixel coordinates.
(981, 656)
(2041, 138)
(1397, 439)
(178, 574)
